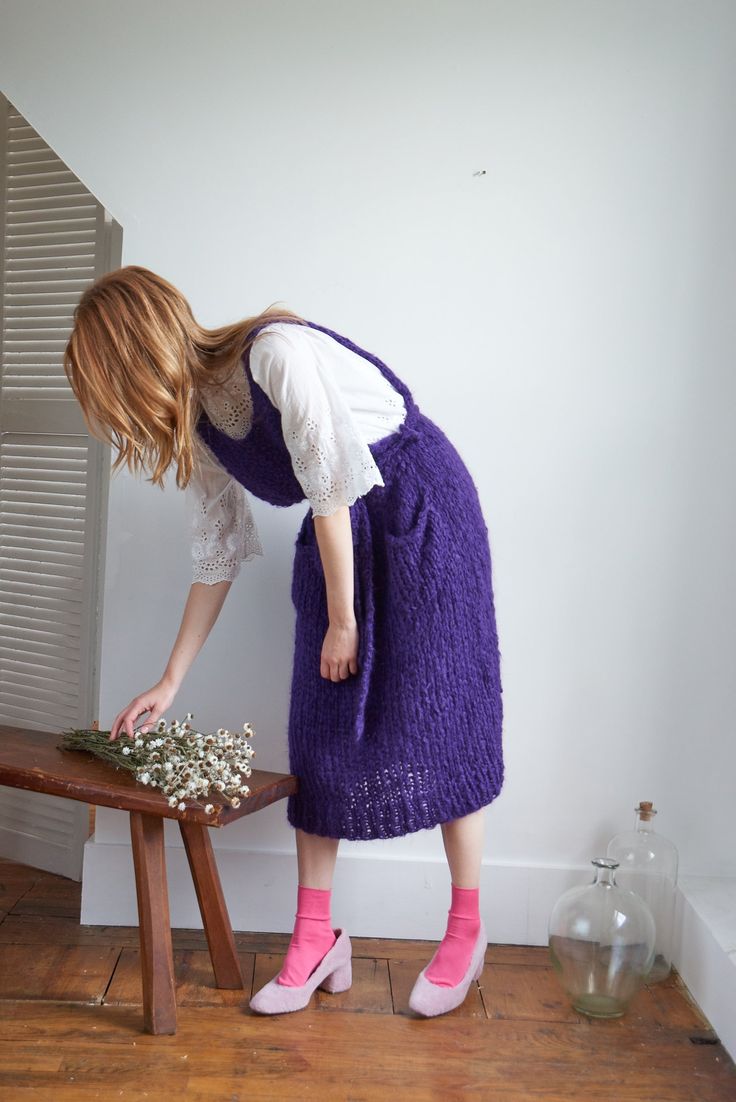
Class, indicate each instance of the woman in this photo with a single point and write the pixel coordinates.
(396, 701)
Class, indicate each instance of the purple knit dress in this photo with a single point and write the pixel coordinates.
(415, 737)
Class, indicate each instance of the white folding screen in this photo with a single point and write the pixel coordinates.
(56, 239)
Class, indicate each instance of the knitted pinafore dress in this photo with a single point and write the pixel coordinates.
(415, 737)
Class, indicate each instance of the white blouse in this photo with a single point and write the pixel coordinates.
(333, 403)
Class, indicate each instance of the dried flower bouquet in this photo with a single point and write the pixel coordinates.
(181, 762)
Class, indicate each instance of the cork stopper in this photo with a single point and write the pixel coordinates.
(645, 810)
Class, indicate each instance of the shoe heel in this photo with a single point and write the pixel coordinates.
(339, 980)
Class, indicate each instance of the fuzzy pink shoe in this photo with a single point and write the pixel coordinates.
(333, 973)
(429, 999)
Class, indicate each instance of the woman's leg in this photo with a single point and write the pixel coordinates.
(316, 858)
(463, 840)
(313, 935)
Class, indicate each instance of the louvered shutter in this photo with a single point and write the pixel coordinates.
(54, 477)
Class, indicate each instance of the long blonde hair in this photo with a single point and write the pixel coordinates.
(137, 361)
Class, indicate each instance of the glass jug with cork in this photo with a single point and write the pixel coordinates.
(647, 865)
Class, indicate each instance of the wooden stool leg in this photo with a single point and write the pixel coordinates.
(225, 962)
(157, 958)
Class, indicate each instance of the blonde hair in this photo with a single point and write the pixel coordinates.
(137, 361)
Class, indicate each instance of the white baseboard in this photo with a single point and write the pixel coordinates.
(399, 898)
(373, 896)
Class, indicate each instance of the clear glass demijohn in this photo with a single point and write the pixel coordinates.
(601, 941)
(648, 865)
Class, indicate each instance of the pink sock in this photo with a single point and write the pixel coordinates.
(452, 959)
(313, 936)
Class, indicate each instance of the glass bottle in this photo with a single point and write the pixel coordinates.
(601, 941)
(648, 865)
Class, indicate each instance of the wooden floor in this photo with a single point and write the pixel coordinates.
(70, 1025)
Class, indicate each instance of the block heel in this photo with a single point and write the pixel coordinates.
(339, 980)
(333, 973)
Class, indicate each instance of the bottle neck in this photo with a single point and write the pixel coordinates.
(643, 823)
(605, 869)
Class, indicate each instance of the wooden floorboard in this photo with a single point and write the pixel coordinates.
(70, 1024)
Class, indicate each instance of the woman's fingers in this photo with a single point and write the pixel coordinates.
(115, 729)
(124, 721)
(132, 720)
(332, 670)
(154, 701)
(342, 670)
(339, 658)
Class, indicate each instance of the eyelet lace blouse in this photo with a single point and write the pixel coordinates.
(333, 403)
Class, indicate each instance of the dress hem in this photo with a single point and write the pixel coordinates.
(405, 820)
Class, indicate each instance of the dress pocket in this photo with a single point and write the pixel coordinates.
(414, 560)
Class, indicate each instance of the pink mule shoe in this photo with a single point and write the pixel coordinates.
(333, 973)
(429, 999)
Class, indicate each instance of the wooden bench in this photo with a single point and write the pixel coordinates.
(32, 760)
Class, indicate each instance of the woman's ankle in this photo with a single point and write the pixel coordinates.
(452, 958)
(312, 937)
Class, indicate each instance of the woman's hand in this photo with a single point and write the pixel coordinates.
(155, 700)
(340, 651)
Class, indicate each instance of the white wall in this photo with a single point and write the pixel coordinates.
(567, 317)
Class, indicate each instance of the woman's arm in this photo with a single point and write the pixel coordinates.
(331, 461)
(200, 612)
(340, 647)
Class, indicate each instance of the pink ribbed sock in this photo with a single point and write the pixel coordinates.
(452, 959)
(313, 936)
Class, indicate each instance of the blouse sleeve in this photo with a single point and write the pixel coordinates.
(330, 457)
(223, 532)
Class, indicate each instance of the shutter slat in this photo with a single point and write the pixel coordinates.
(35, 653)
(49, 203)
(37, 250)
(31, 266)
(50, 217)
(35, 714)
(62, 611)
(46, 624)
(50, 683)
